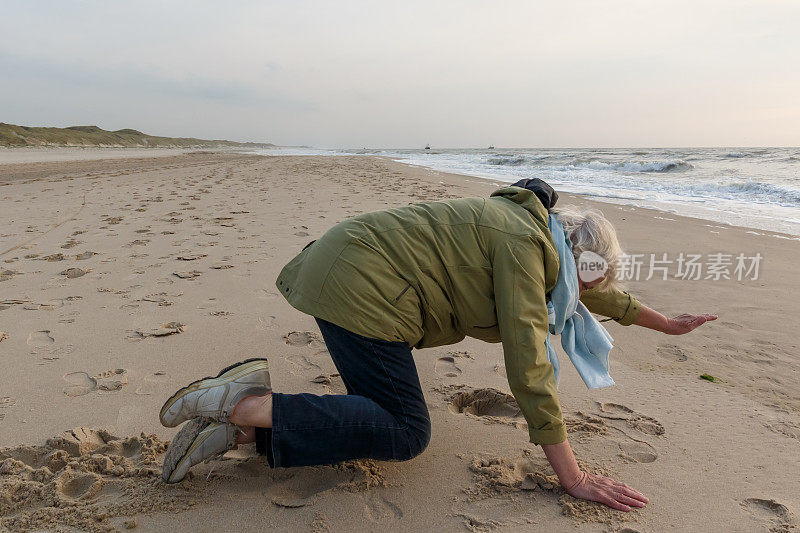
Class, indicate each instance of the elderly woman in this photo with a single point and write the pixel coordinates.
(419, 276)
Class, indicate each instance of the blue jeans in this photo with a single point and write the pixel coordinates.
(383, 415)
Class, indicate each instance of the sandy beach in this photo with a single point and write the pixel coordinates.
(122, 280)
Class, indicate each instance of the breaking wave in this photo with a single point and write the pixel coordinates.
(756, 191)
(678, 165)
(510, 161)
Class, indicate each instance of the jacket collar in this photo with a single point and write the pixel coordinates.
(527, 199)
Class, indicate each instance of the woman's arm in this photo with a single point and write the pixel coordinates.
(522, 320)
(652, 319)
(519, 291)
(627, 310)
(586, 486)
(613, 303)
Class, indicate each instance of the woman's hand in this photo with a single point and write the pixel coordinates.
(686, 322)
(586, 486)
(650, 318)
(605, 490)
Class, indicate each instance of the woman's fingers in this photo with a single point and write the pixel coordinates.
(705, 317)
(613, 503)
(635, 494)
(622, 498)
(687, 322)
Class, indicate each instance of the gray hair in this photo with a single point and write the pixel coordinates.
(590, 231)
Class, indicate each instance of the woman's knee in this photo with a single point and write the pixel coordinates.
(417, 437)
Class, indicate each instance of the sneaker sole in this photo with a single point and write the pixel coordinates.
(226, 375)
(181, 448)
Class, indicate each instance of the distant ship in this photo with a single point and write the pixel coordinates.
(427, 146)
(491, 148)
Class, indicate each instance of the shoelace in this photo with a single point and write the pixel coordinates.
(218, 457)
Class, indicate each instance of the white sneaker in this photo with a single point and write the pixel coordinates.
(197, 441)
(216, 398)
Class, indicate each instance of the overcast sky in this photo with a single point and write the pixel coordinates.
(402, 74)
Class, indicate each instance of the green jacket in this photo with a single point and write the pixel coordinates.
(429, 274)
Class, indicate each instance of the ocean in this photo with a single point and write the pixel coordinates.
(752, 187)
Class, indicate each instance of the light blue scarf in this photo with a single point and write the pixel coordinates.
(586, 342)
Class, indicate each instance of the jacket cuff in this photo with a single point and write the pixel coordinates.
(548, 436)
(631, 313)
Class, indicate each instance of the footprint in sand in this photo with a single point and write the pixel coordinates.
(79, 486)
(190, 274)
(303, 338)
(5, 403)
(632, 449)
(303, 362)
(446, 366)
(304, 486)
(639, 422)
(672, 352)
(49, 355)
(380, 508)
(6, 275)
(267, 322)
(772, 514)
(170, 328)
(152, 383)
(637, 452)
(581, 423)
(72, 273)
(492, 404)
(40, 338)
(332, 383)
(80, 383)
(160, 298)
(189, 256)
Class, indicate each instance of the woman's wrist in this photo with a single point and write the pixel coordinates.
(564, 464)
(571, 485)
(652, 319)
(666, 325)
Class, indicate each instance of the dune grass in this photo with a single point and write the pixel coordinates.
(12, 135)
